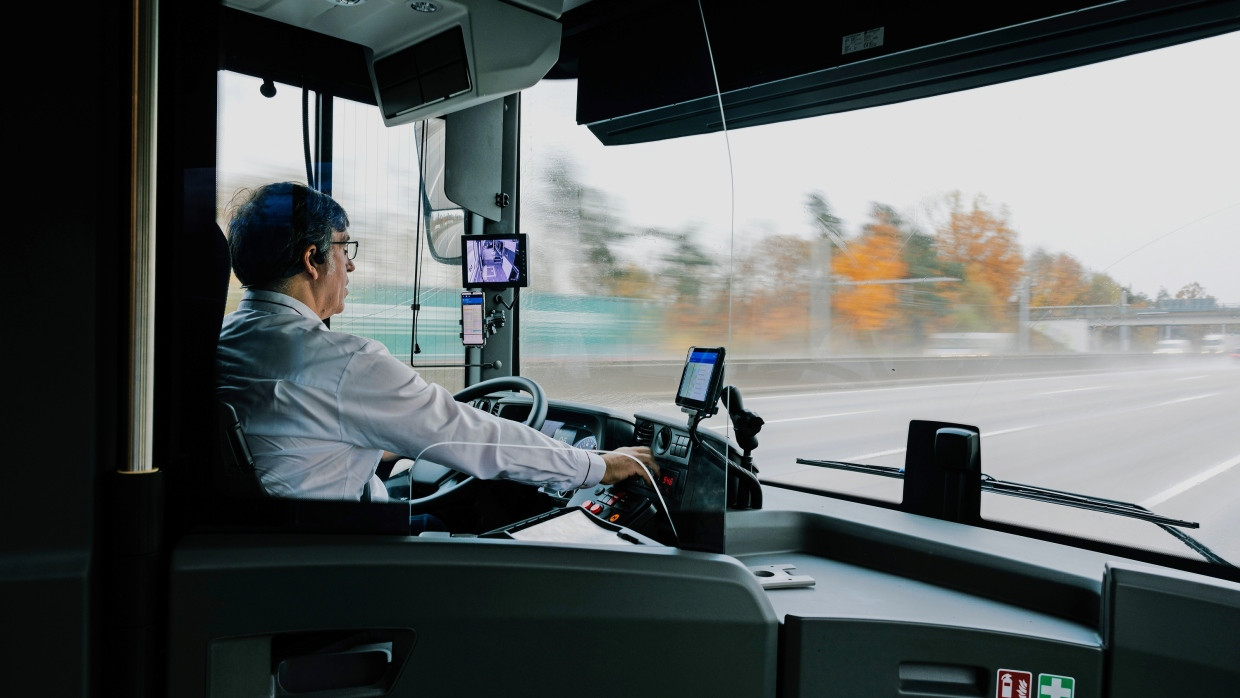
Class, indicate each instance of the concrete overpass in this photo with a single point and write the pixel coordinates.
(1075, 326)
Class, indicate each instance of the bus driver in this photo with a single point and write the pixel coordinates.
(322, 410)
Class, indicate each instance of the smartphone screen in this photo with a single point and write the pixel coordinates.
(471, 319)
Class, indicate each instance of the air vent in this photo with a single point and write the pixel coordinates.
(422, 74)
(495, 408)
(644, 433)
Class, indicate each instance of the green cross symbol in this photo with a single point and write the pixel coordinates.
(1052, 686)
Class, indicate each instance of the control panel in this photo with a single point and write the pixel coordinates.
(691, 484)
(616, 504)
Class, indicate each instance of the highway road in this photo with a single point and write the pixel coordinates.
(1167, 439)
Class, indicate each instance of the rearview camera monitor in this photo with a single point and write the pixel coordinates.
(494, 261)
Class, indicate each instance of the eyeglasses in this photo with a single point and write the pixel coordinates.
(350, 247)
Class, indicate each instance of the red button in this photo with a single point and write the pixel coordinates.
(595, 508)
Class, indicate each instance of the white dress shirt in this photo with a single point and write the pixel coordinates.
(319, 408)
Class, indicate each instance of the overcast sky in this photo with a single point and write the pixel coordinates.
(1131, 166)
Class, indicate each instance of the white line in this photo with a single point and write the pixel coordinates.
(1190, 483)
(818, 416)
(799, 419)
(1184, 399)
(1073, 390)
(984, 380)
(1009, 431)
(876, 454)
(894, 451)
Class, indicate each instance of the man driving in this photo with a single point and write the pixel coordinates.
(323, 410)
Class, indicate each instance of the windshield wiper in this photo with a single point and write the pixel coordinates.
(1043, 494)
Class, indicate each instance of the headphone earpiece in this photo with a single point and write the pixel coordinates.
(319, 257)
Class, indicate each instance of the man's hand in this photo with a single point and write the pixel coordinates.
(621, 464)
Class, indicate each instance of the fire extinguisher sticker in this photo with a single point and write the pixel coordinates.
(1011, 683)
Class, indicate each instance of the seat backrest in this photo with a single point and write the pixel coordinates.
(186, 351)
(236, 478)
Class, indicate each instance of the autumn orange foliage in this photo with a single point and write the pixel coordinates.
(1057, 279)
(985, 246)
(859, 301)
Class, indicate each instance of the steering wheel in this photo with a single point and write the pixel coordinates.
(450, 484)
(538, 408)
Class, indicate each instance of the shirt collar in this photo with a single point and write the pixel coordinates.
(274, 302)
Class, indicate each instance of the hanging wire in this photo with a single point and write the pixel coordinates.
(305, 138)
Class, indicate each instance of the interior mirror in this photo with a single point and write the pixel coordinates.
(444, 230)
(444, 219)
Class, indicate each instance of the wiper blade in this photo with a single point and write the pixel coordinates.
(1081, 501)
(1108, 506)
(1044, 494)
(855, 467)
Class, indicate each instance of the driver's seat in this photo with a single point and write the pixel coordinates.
(236, 478)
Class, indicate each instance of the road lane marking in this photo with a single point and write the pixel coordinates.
(1184, 399)
(790, 391)
(1012, 430)
(818, 416)
(1076, 390)
(895, 451)
(1190, 483)
(876, 454)
(799, 419)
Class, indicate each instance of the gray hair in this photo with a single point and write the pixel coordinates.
(274, 225)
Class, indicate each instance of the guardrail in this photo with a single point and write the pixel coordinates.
(659, 377)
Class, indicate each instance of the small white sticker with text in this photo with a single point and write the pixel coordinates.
(863, 40)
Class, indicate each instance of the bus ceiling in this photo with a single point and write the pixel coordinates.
(647, 71)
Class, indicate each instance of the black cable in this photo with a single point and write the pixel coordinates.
(305, 137)
(754, 486)
(753, 489)
(416, 306)
(747, 425)
(1195, 544)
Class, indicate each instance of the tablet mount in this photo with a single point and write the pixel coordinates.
(701, 389)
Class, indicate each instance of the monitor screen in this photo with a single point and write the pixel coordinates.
(701, 380)
(494, 261)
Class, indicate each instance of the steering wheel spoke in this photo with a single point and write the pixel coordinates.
(449, 484)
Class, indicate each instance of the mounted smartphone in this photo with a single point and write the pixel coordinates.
(472, 334)
(701, 382)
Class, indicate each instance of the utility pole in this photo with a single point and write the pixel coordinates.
(1022, 322)
(1123, 313)
(820, 297)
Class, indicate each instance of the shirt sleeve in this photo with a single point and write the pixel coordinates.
(386, 404)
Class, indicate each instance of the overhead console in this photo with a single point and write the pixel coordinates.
(769, 67)
(439, 67)
(428, 59)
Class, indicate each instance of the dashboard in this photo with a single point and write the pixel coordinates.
(576, 435)
(580, 425)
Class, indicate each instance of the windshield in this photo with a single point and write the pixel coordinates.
(1051, 260)
(1046, 260)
